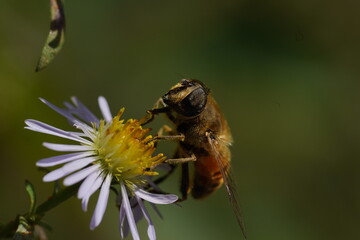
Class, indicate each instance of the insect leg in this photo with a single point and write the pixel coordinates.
(185, 182)
(179, 137)
(171, 136)
(172, 169)
(150, 114)
(159, 107)
(192, 158)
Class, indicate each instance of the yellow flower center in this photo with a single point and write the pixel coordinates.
(125, 149)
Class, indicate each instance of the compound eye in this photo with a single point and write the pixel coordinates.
(194, 103)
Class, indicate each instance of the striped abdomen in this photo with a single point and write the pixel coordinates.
(208, 176)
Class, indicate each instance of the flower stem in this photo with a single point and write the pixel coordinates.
(53, 201)
(8, 230)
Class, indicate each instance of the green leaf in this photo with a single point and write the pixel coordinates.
(31, 192)
(24, 230)
(56, 37)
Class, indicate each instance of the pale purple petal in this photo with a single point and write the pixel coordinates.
(138, 215)
(151, 228)
(80, 134)
(80, 175)
(66, 147)
(37, 126)
(129, 213)
(156, 198)
(61, 111)
(67, 169)
(69, 105)
(90, 192)
(56, 160)
(55, 175)
(105, 109)
(101, 203)
(87, 184)
(83, 112)
(122, 223)
(89, 131)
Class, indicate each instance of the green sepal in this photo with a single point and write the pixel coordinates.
(25, 230)
(32, 196)
(56, 36)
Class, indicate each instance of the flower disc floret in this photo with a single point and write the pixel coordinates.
(125, 150)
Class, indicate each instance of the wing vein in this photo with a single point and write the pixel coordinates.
(229, 184)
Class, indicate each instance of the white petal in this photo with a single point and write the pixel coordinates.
(61, 111)
(84, 203)
(80, 134)
(151, 228)
(156, 198)
(69, 105)
(83, 112)
(54, 175)
(138, 215)
(66, 147)
(101, 203)
(90, 192)
(37, 126)
(89, 131)
(67, 169)
(123, 226)
(80, 175)
(129, 213)
(56, 160)
(105, 109)
(87, 184)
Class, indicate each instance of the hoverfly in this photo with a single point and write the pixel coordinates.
(204, 138)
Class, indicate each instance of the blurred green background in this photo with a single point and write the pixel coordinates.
(286, 74)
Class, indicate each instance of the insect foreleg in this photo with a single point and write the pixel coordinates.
(159, 107)
(192, 158)
(179, 137)
(185, 182)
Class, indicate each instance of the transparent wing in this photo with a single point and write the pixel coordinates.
(229, 183)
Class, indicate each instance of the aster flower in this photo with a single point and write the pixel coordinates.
(109, 151)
